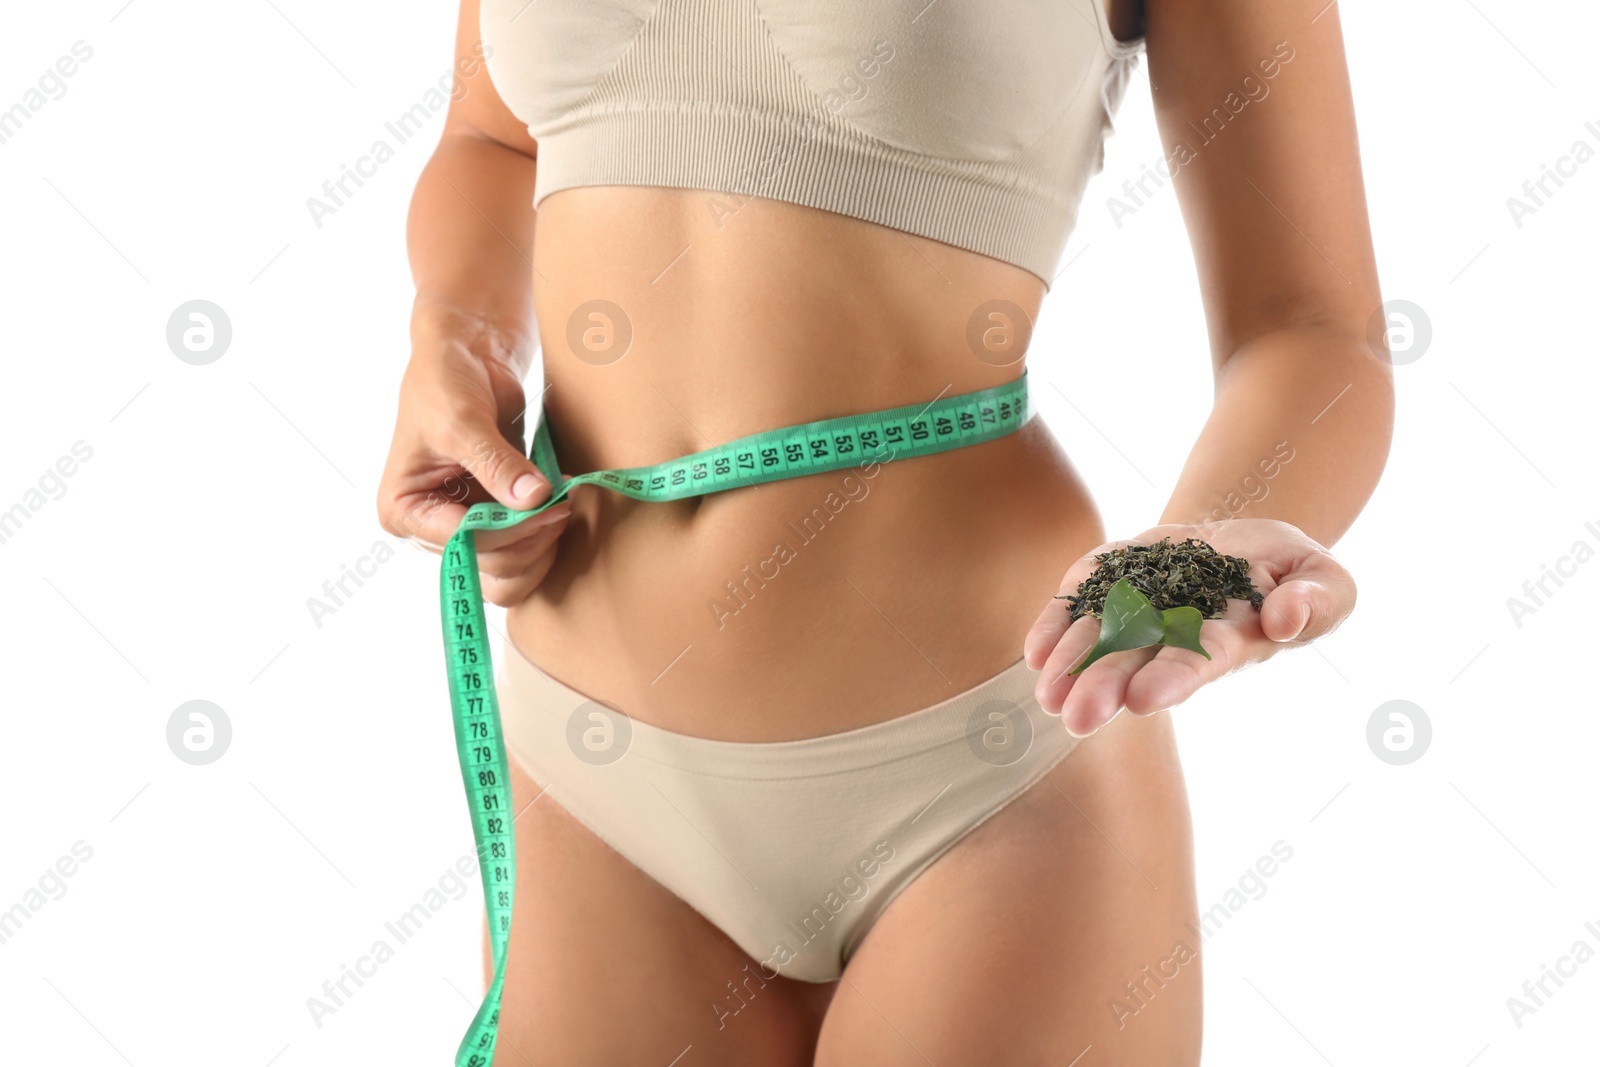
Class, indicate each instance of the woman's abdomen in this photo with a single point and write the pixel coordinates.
(814, 604)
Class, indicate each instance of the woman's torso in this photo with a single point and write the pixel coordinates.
(809, 605)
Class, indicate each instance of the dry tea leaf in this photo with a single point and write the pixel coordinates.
(1189, 573)
(1158, 595)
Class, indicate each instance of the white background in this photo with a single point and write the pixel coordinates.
(178, 562)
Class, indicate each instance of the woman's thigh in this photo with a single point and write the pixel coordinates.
(607, 967)
(1056, 930)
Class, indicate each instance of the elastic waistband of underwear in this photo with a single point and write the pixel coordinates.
(525, 689)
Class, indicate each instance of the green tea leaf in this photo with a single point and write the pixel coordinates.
(1129, 621)
(1181, 629)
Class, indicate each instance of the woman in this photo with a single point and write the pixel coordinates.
(751, 215)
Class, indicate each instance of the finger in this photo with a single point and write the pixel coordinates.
(1052, 624)
(428, 519)
(1286, 611)
(1310, 601)
(499, 466)
(436, 520)
(489, 541)
(1101, 690)
(424, 491)
(424, 546)
(509, 592)
(1055, 681)
(513, 561)
(1055, 618)
(1173, 675)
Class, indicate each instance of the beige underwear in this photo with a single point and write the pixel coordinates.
(791, 848)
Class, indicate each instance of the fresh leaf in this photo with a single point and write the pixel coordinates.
(1128, 621)
(1181, 629)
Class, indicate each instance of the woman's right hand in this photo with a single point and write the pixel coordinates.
(461, 406)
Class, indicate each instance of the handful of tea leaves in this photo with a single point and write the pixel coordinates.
(1158, 595)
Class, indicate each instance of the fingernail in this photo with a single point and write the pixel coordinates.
(1305, 617)
(524, 486)
(555, 514)
(1075, 733)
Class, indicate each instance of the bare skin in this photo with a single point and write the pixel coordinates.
(937, 577)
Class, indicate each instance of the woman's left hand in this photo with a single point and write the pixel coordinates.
(1308, 594)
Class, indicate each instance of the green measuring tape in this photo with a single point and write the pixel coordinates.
(808, 448)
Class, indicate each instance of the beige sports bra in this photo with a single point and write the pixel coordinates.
(973, 123)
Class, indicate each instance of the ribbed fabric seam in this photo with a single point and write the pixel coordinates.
(729, 83)
(840, 184)
(622, 57)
